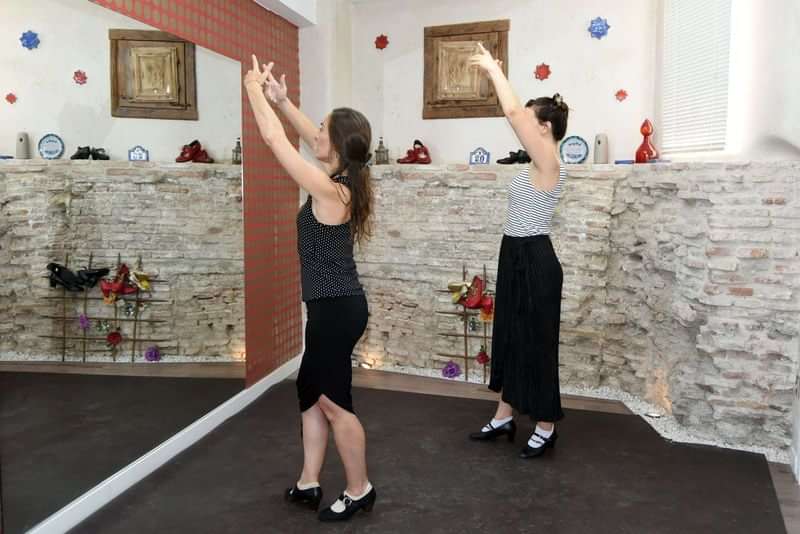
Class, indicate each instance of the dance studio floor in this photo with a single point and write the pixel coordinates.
(611, 473)
(61, 434)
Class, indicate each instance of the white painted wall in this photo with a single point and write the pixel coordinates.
(74, 35)
(387, 85)
(764, 97)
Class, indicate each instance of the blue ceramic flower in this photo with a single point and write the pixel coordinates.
(30, 40)
(451, 370)
(599, 28)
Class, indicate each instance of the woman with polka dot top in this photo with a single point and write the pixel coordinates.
(335, 216)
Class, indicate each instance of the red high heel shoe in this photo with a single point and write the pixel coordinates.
(189, 152)
(411, 157)
(203, 157)
(423, 156)
(475, 295)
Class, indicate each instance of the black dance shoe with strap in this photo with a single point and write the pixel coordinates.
(534, 452)
(61, 276)
(508, 429)
(309, 498)
(351, 506)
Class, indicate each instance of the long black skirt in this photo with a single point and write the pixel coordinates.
(333, 327)
(526, 327)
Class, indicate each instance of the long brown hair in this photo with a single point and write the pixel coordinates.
(351, 137)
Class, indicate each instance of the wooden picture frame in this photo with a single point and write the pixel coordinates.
(453, 90)
(152, 75)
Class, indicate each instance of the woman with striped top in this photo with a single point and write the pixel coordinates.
(529, 275)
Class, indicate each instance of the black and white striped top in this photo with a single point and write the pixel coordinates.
(530, 211)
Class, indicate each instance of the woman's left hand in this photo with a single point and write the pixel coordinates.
(484, 60)
(256, 75)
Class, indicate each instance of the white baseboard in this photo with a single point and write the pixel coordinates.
(796, 465)
(97, 497)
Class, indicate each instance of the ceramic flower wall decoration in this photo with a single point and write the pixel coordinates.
(30, 40)
(152, 354)
(381, 42)
(621, 95)
(542, 71)
(79, 77)
(11, 98)
(451, 370)
(598, 28)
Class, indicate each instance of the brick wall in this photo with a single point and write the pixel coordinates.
(682, 281)
(184, 220)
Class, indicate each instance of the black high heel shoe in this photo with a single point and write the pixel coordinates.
(509, 429)
(61, 276)
(533, 452)
(309, 498)
(350, 507)
(89, 277)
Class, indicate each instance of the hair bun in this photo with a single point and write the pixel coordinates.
(559, 101)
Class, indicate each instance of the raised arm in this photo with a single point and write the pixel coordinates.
(276, 91)
(522, 120)
(311, 178)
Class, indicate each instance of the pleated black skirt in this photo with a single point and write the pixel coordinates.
(524, 365)
(333, 327)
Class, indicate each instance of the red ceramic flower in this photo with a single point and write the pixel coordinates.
(11, 98)
(621, 95)
(113, 339)
(381, 42)
(542, 71)
(482, 357)
(79, 77)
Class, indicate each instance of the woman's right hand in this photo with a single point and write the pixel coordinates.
(276, 91)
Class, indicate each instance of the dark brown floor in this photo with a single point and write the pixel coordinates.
(611, 474)
(62, 434)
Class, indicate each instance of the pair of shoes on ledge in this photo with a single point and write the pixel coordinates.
(194, 152)
(85, 152)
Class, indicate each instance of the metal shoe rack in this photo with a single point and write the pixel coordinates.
(134, 324)
(465, 315)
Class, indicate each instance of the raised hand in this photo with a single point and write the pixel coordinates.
(484, 60)
(255, 75)
(276, 91)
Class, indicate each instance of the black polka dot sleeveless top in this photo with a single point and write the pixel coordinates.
(327, 267)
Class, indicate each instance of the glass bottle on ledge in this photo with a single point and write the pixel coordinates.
(237, 152)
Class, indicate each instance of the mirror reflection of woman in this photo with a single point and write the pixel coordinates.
(529, 275)
(335, 216)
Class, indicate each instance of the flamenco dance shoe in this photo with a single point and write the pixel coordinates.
(61, 276)
(203, 157)
(83, 152)
(490, 432)
(523, 157)
(189, 152)
(346, 506)
(423, 156)
(90, 277)
(538, 444)
(475, 295)
(100, 154)
(309, 498)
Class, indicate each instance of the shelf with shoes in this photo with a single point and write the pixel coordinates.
(130, 293)
(473, 300)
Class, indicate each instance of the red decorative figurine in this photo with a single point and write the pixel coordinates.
(381, 42)
(646, 150)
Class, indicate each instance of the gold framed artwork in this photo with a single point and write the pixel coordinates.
(453, 89)
(152, 75)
